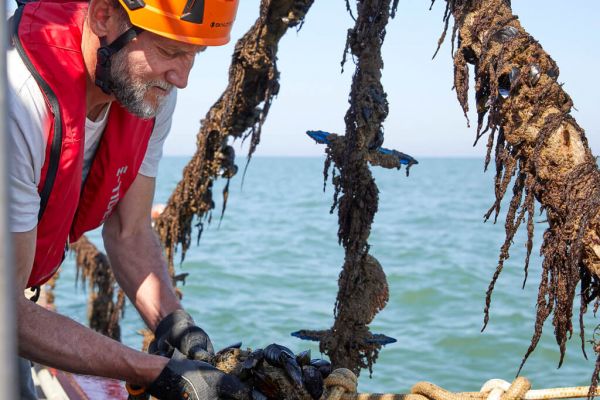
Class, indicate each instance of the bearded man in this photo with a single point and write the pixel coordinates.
(92, 89)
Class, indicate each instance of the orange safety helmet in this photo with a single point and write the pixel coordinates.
(199, 22)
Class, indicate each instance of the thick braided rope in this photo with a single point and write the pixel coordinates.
(341, 385)
(340, 381)
(517, 389)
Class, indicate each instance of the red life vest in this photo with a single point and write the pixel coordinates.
(48, 38)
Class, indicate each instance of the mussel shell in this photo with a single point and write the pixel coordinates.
(323, 366)
(313, 381)
(294, 371)
(253, 359)
(230, 347)
(553, 73)
(534, 74)
(276, 353)
(250, 364)
(505, 34)
(303, 358)
(514, 75)
(230, 171)
(469, 55)
(280, 356)
(228, 153)
(504, 85)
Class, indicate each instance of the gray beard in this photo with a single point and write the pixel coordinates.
(130, 92)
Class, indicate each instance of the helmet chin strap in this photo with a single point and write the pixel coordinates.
(105, 53)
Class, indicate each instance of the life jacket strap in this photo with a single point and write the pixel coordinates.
(105, 53)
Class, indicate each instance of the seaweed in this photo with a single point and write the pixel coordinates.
(239, 113)
(533, 137)
(106, 300)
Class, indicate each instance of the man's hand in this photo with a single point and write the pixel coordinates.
(196, 380)
(178, 331)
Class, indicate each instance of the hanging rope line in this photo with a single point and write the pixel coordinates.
(363, 288)
(540, 148)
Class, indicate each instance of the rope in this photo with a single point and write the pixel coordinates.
(341, 385)
(340, 381)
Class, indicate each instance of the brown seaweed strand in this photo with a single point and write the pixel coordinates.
(363, 289)
(506, 167)
(446, 20)
(511, 226)
(104, 310)
(529, 206)
(517, 89)
(243, 107)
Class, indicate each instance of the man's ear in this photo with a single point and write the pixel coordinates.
(102, 17)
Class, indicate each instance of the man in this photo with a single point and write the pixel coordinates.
(91, 95)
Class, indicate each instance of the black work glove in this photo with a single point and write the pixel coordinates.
(196, 380)
(178, 331)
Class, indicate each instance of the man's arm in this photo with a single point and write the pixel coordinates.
(136, 255)
(52, 339)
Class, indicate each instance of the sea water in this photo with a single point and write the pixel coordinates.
(270, 267)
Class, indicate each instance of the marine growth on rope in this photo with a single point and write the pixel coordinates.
(539, 147)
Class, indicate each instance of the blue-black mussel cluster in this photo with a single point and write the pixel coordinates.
(275, 372)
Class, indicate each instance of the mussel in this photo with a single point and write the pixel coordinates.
(228, 167)
(275, 354)
(505, 34)
(534, 74)
(303, 358)
(553, 72)
(251, 362)
(237, 345)
(514, 75)
(280, 356)
(323, 366)
(275, 372)
(504, 85)
(313, 381)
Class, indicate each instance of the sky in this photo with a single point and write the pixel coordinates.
(425, 118)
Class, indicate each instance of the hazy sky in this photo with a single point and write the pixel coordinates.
(425, 118)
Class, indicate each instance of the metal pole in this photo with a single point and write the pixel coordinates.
(8, 365)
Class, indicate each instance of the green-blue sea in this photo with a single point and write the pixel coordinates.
(270, 267)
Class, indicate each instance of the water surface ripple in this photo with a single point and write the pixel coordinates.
(272, 266)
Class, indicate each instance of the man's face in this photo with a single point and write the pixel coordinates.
(144, 72)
